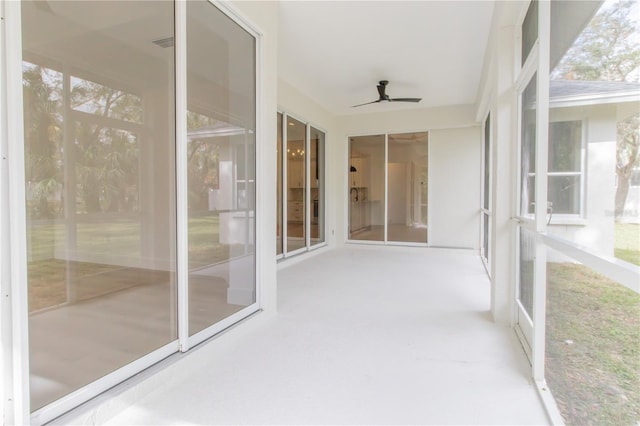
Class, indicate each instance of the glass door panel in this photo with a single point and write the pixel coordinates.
(100, 185)
(526, 245)
(220, 166)
(317, 186)
(486, 188)
(367, 188)
(279, 150)
(528, 149)
(296, 185)
(407, 183)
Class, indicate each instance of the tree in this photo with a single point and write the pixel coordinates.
(106, 158)
(609, 50)
(43, 139)
(627, 158)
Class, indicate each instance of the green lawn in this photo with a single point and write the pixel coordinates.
(122, 237)
(627, 242)
(50, 275)
(593, 347)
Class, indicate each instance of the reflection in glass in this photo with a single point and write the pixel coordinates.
(220, 166)
(366, 188)
(100, 190)
(94, 98)
(317, 186)
(279, 150)
(296, 185)
(407, 187)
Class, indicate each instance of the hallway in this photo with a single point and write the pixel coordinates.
(364, 335)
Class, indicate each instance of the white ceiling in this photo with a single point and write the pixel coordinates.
(336, 51)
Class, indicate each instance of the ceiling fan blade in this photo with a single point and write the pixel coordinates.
(405, 100)
(367, 103)
(382, 86)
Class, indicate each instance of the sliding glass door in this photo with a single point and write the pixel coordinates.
(317, 192)
(108, 158)
(367, 197)
(296, 186)
(100, 190)
(300, 222)
(220, 166)
(407, 183)
(388, 188)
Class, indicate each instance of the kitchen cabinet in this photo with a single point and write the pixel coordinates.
(295, 211)
(295, 173)
(359, 216)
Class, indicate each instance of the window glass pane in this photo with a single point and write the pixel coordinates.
(279, 149)
(564, 194)
(485, 236)
(296, 185)
(487, 161)
(529, 30)
(100, 189)
(528, 148)
(407, 172)
(592, 341)
(317, 186)
(565, 146)
(527, 254)
(591, 43)
(220, 165)
(366, 188)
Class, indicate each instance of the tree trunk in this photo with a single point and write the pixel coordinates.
(621, 194)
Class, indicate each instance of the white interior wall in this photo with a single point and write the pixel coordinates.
(454, 187)
(456, 122)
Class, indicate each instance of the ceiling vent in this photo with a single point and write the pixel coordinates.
(164, 42)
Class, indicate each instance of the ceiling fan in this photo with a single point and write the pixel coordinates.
(385, 98)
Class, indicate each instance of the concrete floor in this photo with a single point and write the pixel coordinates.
(364, 335)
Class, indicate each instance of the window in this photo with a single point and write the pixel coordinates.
(565, 167)
(635, 177)
(529, 30)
